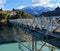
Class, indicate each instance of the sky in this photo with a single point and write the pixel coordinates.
(19, 4)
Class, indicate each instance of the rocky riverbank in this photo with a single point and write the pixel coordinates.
(6, 33)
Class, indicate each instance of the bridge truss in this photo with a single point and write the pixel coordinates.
(37, 34)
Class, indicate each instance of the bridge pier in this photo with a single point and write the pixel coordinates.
(34, 44)
(52, 48)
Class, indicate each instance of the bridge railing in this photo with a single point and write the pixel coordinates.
(49, 23)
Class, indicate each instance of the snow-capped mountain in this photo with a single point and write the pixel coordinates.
(36, 10)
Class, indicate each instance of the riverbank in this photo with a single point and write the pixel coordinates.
(6, 33)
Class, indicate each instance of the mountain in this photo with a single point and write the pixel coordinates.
(55, 12)
(36, 10)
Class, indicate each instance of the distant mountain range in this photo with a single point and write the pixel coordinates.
(55, 12)
(37, 10)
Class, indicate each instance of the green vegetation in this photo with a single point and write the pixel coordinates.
(3, 14)
(14, 14)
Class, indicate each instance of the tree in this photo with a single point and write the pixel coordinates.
(1, 9)
(13, 9)
(57, 8)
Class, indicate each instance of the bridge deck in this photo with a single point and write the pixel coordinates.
(41, 34)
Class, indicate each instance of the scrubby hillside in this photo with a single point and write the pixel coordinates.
(6, 31)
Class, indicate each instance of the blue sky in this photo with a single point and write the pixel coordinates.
(19, 4)
(16, 3)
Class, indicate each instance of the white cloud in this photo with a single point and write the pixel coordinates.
(2, 2)
(20, 7)
(45, 3)
(40, 2)
(50, 3)
(53, 5)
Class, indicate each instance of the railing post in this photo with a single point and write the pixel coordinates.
(49, 27)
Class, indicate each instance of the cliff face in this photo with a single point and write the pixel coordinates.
(6, 34)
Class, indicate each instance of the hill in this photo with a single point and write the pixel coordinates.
(55, 12)
(6, 30)
(14, 14)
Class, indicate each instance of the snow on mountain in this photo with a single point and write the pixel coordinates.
(36, 10)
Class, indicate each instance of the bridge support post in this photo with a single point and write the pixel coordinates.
(17, 37)
(34, 44)
(52, 48)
